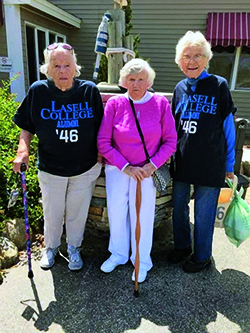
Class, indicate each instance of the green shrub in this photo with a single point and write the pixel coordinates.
(9, 138)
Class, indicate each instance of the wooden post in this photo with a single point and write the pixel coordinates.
(129, 44)
(116, 30)
(118, 15)
(115, 60)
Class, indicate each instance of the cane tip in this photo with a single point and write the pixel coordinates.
(136, 293)
(30, 274)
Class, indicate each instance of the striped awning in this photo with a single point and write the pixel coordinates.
(228, 29)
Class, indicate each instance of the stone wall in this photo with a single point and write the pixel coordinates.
(98, 215)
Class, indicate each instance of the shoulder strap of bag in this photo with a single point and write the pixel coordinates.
(139, 129)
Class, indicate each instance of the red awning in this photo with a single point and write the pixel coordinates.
(228, 29)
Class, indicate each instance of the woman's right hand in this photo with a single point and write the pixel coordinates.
(22, 155)
(137, 173)
(19, 160)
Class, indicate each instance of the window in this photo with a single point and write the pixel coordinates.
(222, 62)
(229, 35)
(233, 63)
(36, 40)
(243, 73)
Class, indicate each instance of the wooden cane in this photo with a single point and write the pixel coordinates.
(137, 235)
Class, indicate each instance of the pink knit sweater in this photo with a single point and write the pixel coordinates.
(119, 141)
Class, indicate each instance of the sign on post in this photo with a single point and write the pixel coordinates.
(5, 64)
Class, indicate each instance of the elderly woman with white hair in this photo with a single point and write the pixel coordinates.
(65, 113)
(203, 110)
(121, 146)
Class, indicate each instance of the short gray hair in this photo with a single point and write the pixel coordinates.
(192, 38)
(135, 66)
(47, 55)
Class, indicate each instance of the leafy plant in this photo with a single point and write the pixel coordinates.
(128, 18)
(9, 138)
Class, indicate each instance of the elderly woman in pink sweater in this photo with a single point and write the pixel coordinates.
(125, 162)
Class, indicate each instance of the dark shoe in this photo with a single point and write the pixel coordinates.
(192, 266)
(177, 255)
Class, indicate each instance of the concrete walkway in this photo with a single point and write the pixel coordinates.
(216, 300)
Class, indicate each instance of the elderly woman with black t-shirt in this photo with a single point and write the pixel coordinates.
(65, 113)
(203, 110)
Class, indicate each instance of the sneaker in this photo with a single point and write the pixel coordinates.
(48, 258)
(177, 255)
(141, 277)
(192, 266)
(75, 260)
(109, 265)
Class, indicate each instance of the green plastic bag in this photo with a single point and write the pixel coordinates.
(237, 219)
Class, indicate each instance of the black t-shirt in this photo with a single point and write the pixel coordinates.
(199, 115)
(66, 124)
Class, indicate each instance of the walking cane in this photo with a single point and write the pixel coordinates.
(27, 228)
(137, 235)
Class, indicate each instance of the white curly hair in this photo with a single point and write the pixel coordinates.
(135, 66)
(192, 38)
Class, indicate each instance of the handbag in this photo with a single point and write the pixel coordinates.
(161, 176)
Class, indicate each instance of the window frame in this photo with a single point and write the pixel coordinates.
(235, 67)
(47, 32)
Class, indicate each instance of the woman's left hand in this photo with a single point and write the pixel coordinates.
(149, 168)
(137, 173)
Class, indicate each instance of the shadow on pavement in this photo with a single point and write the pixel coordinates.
(94, 302)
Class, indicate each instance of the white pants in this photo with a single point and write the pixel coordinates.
(66, 199)
(121, 194)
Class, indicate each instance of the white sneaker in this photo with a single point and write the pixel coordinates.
(108, 266)
(141, 277)
(75, 260)
(48, 257)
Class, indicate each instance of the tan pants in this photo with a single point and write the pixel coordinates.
(66, 199)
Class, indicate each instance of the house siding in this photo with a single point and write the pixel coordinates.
(242, 102)
(173, 19)
(3, 52)
(160, 24)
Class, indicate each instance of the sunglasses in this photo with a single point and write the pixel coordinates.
(55, 46)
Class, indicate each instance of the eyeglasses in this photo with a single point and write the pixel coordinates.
(196, 57)
(55, 46)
